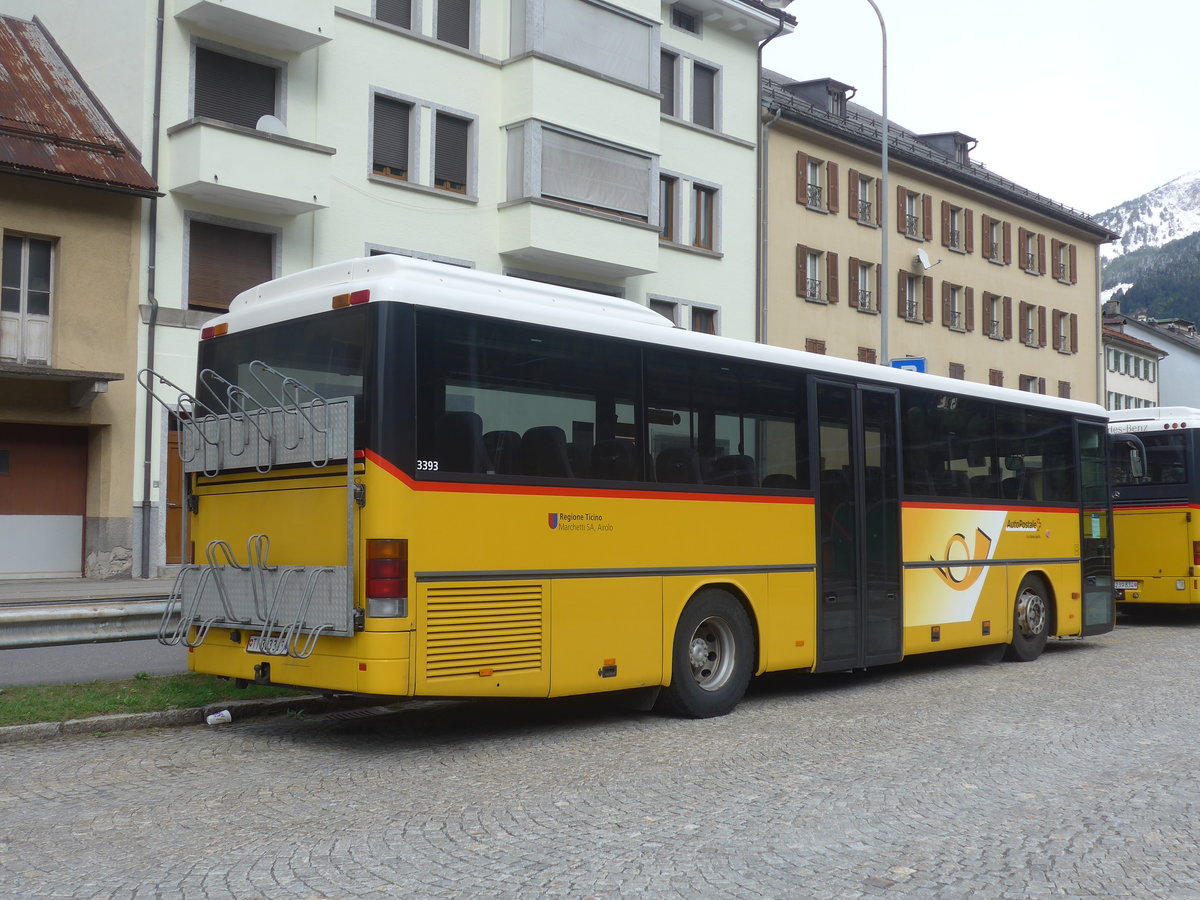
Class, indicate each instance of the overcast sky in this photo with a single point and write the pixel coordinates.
(1089, 102)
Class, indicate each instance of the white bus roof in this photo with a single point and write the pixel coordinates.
(389, 277)
(1152, 418)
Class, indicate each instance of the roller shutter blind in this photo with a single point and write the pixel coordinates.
(233, 90)
(450, 153)
(390, 141)
(224, 261)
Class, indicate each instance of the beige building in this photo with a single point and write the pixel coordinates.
(985, 280)
(70, 207)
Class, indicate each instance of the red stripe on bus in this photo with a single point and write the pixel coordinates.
(449, 487)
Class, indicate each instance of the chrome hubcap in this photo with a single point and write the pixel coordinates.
(1031, 613)
(711, 653)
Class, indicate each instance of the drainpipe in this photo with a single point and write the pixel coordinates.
(151, 266)
(760, 206)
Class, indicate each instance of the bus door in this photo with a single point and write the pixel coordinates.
(859, 614)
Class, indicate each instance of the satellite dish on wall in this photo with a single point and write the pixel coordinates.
(271, 125)
(922, 260)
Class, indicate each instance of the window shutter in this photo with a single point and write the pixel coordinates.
(831, 170)
(852, 194)
(1073, 274)
(450, 152)
(1007, 229)
(996, 377)
(1008, 318)
(927, 284)
(852, 282)
(969, 301)
(390, 140)
(454, 22)
(224, 261)
(945, 224)
(1041, 259)
(1074, 322)
(233, 90)
(801, 270)
(901, 211)
(902, 294)
(927, 217)
(969, 230)
(1041, 385)
(1041, 326)
(946, 303)
(704, 96)
(985, 249)
(1023, 248)
(802, 178)
(1055, 269)
(394, 12)
(831, 277)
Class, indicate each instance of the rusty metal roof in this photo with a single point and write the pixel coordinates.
(51, 125)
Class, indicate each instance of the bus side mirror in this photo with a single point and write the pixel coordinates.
(1137, 465)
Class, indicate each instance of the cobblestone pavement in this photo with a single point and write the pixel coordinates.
(1073, 776)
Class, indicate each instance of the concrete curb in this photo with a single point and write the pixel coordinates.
(238, 709)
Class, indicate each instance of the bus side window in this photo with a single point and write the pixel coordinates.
(458, 438)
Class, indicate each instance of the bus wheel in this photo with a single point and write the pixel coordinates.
(712, 657)
(1031, 621)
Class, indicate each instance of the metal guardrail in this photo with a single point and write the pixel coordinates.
(81, 622)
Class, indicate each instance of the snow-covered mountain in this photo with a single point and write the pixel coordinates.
(1165, 214)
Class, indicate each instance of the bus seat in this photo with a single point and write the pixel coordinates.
(1012, 488)
(458, 439)
(735, 469)
(678, 465)
(615, 460)
(544, 452)
(983, 486)
(504, 448)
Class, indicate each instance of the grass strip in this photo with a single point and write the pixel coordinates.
(27, 705)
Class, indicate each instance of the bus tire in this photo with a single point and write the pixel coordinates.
(1031, 621)
(712, 657)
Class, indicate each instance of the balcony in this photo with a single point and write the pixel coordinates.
(289, 26)
(547, 233)
(248, 169)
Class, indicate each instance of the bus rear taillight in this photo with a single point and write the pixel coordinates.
(1196, 553)
(387, 578)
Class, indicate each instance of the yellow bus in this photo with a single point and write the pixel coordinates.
(1155, 497)
(415, 480)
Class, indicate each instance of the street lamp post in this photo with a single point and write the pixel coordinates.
(884, 274)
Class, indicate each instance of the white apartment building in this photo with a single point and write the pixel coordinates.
(604, 144)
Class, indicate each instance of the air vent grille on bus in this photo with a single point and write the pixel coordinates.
(470, 628)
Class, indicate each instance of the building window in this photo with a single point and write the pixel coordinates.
(1066, 332)
(914, 214)
(389, 140)
(915, 300)
(813, 271)
(668, 83)
(451, 149)
(452, 22)
(1064, 390)
(26, 291)
(394, 12)
(996, 377)
(223, 261)
(957, 314)
(816, 275)
(704, 319)
(813, 345)
(579, 170)
(668, 309)
(1063, 261)
(864, 284)
(685, 19)
(1033, 384)
(816, 183)
(997, 313)
(1033, 324)
(958, 370)
(596, 38)
(864, 207)
(668, 190)
(704, 217)
(957, 228)
(234, 89)
(1032, 249)
(867, 355)
(997, 241)
(704, 95)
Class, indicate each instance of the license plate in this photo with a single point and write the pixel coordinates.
(272, 646)
(1125, 585)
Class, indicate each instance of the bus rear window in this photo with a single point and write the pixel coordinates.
(1149, 459)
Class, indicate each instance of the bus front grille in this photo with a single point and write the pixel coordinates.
(476, 627)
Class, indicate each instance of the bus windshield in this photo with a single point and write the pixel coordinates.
(1149, 459)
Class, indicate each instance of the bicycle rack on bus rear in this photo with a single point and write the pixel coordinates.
(289, 606)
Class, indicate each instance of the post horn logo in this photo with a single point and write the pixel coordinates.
(957, 574)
